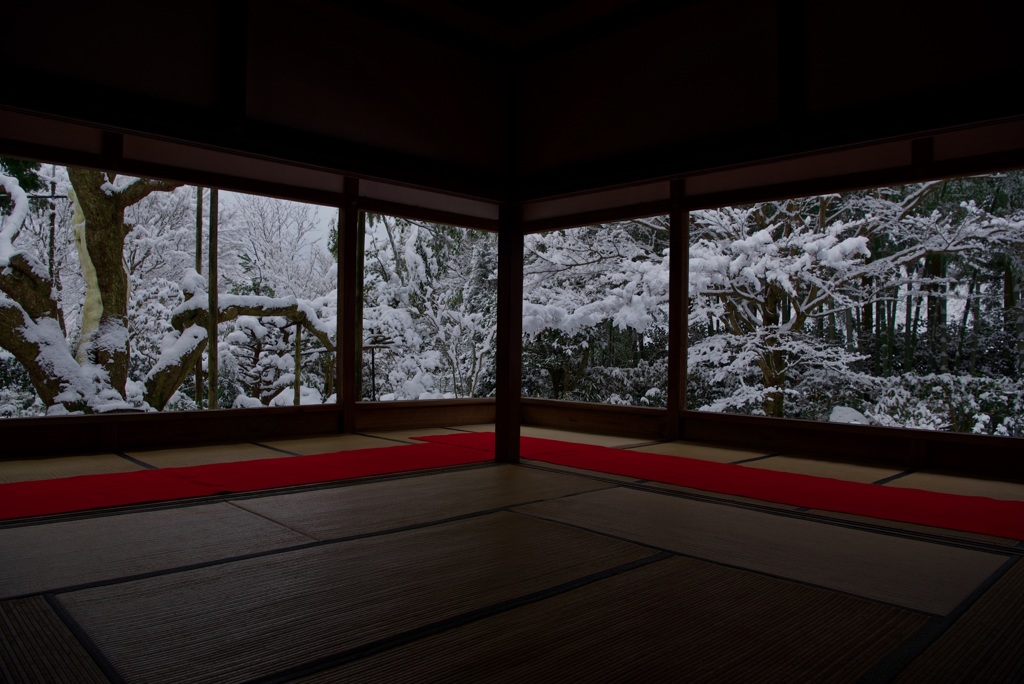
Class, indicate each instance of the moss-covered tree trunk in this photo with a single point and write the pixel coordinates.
(100, 231)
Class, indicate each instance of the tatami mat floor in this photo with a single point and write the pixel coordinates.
(501, 573)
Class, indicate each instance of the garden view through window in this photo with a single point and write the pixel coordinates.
(105, 282)
(595, 313)
(429, 310)
(894, 306)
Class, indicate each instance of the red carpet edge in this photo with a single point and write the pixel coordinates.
(88, 492)
(951, 511)
(977, 514)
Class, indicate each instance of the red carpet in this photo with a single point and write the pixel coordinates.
(86, 492)
(967, 513)
(343, 465)
(951, 511)
(44, 497)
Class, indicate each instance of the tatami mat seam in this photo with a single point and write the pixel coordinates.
(83, 638)
(755, 458)
(274, 448)
(893, 478)
(467, 618)
(802, 514)
(640, 445)
(271, 520)
(128, 509)
(723, 564)
(355, 481)
(147, 466)
(111, 511)
(281, 550)
(907, 652)
(581, 472)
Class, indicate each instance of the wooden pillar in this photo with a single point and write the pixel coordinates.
(349, 325)
(508, 364)
(360, 267)
(212, 340)
(297, 382)
(199, 229)
(199, 270)
(678, 307)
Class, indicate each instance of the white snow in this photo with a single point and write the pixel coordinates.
(845, 414)
(176, 346)
(11, 225)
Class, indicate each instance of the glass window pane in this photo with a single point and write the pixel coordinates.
(105, 279)
(895, 306)
(595, 313)
(429, 310)
(277, 275)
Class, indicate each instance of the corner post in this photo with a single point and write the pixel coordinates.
(349, 289)
(678, 276)
(508, 364)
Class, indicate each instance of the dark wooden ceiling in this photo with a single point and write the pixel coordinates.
(520, 100)
(514, 14)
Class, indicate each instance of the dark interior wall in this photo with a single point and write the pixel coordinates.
(118, 63)
(309, 81)
(317, 68)
(729, 83)
(357, 87)
(704, 69)
(934, 57)
(167, 52)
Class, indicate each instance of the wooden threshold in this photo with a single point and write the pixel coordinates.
(901, 448)
(896, 448)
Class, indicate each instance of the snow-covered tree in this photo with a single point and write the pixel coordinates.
(137, 323)
(803, 298)
(278, 248)
(429, 312)
(903, 304)
(92, 376)
(595, 313)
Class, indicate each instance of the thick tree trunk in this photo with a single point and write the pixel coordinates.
(40, 347)
(99, 236)
(100, 231)
(30, 319)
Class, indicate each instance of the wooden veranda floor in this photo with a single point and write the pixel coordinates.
(502, 573)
